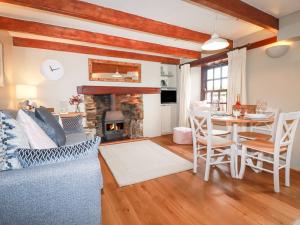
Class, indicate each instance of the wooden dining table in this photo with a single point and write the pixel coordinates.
(235, 122)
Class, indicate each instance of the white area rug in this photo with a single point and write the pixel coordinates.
(139, 161)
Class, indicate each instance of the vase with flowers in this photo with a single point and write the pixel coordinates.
(76, 100)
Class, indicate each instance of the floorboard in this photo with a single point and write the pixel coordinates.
(185, 199)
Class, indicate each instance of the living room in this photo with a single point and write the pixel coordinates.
(159, 86)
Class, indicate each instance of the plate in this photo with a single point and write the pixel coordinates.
(256, 116)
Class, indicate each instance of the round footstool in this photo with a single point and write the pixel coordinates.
(182, 135)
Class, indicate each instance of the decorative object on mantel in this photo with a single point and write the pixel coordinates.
(27, 94)
(76, 100)
(1, 66)
(111, 71)
(277, 51)
(52, 69)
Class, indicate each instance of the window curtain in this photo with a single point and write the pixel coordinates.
(236, 77)
(184, 94)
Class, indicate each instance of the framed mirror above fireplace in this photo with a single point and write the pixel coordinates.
(112, 71)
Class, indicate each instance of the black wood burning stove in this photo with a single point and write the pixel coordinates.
(113, 123)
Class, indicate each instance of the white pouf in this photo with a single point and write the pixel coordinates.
(182, 135)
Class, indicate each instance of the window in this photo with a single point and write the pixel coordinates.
(214, 84)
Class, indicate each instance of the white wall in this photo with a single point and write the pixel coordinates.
(278, 82)
(26, 70)
(289, 26)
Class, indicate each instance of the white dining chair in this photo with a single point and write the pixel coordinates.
(201, 106)
(217, 148)
(280, 150)
(264, 131)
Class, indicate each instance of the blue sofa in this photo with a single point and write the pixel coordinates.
(66, 193)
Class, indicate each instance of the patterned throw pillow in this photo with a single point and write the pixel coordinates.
(12, 138)
(73, 125)
(37, 157)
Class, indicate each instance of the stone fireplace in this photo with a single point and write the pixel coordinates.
(115, 112)
(115, 117)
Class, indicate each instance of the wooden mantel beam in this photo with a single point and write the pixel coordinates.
(105, 15)
(50, 45)
(91, 37)
(243, 11)
(99, 90)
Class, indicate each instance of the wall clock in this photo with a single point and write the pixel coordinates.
(52, 69)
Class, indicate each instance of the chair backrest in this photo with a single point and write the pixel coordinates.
(286, 130)
(269, 128)
(199, 106)
(201, 126)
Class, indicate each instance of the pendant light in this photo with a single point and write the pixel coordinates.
(215, 42)
(117, 74)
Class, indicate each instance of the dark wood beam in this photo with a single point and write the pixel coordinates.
(98, 90)
(243, 11)
(223, 55)
(105, 15)
(41, 44)
(92, 37)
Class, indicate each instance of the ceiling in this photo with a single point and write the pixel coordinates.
(175, 12)
(277, 8)
(183, 14)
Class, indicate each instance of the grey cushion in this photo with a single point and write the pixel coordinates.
(45, 127)
(57, 134)
(75, 138)
(72, 125)
(36, 157)
(12, 137)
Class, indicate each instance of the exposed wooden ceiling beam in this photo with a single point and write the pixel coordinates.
(41, 44)
(243, 11)
(105, 15)
(92, 37)
(223, 55)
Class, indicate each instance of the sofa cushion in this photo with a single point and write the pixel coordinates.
(12, 137)
(75, 138)
(73, 125)
(57, 133)
(45, 127)
(36, 136)
(37, 157)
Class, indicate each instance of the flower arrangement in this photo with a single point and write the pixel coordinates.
(76, 100)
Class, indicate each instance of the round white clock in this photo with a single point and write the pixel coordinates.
(52, 69)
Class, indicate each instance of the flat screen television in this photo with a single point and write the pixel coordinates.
(168, 96)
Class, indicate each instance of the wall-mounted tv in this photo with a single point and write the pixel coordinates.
(168, 96)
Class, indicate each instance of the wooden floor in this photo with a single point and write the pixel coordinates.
(185, 199)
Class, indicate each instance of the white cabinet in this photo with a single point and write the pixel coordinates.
(168, 118)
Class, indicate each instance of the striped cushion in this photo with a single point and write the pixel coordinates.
(37, 157)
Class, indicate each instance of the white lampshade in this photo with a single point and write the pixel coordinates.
(26, 92)
(277, 50)
(215, 43)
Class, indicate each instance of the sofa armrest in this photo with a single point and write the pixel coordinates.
(61, 193)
